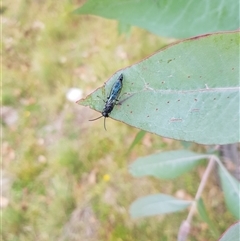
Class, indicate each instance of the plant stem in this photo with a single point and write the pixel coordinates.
(201, 187)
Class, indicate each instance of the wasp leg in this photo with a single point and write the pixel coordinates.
(102, 99)
(118, 103)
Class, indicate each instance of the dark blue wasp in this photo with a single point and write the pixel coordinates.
(111, 99)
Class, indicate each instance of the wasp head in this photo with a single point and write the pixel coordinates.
(105, 114)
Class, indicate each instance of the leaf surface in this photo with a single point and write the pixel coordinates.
(169, 18)
(188, 91)
(157, 204)
(231, 189)
(232, 234)
(204, 214)
(166, 165)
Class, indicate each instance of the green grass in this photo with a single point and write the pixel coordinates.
(58, 161)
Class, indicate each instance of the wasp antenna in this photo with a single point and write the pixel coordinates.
(120, 77)
(105, 124)
(96, 118)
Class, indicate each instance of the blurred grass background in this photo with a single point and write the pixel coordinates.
(63, 177)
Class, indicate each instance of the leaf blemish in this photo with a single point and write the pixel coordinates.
(175, 119)
(195, 99)
(178, 100)
(195, 110)
(169, 61)
(168, 102)
(157, 109)
(188, 76)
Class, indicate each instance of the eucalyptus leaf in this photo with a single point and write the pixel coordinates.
(124, 28)
(204, 214)
(137, 139)
(231, 189)
(232, 234)
(166, 165)
(178, 19)
(188, 91)
(157, 204)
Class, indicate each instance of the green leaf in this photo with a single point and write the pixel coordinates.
(157, 204)
(179, 19)
(232, 234)
(205, 217)
(231, 189)
(188, 91)
(137, 139)
(124, 28)
(166, 165)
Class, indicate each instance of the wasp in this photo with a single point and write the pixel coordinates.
(111, 99)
